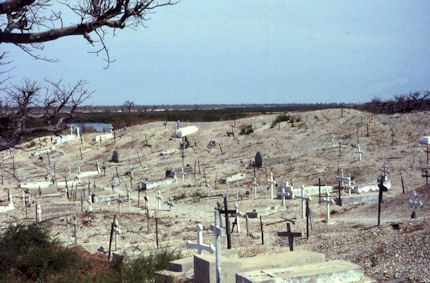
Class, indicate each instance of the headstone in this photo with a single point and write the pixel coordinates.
(200, 246)
(290, 236)
(115, 156)
(258, 161)
(415, 204)
(327, 201)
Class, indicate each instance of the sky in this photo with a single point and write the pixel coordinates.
(259, 51)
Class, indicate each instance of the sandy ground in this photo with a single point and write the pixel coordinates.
(301, 153)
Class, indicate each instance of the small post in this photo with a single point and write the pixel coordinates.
(156, 230)
(111, 235)
(80, 150)
(403, 187)
(247, 225)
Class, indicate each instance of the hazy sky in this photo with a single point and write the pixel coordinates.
(253, 51)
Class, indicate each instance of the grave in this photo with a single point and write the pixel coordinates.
(103, 137)
(184, 131)
(115, 156)
(255, 213)
(204, 265)
(168, 152)
(373, 187)
(233, 178)
(68, 138)
(43, 151)
(425, 140)
(170, 179)
(320, 272)
(308, 190)
(369, 197)
(415, 204)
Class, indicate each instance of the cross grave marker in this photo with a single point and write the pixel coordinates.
(303, 198)
(327, 201)
(359, 152)
(218, 233)
(200, 246)
(415, 204)
(290, 235)
(271, 183)
(170, 203)
(159, 198)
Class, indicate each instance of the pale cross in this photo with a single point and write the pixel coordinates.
(271, 183)
(90, 204)
(359, 152)
(327, 201)
(283, 195)
(303, 198)
(170, 203)
(341, 178)
(415, 204)
(159, 198)
(420, 151)
(218, 232)
(199, 246)
(237, 189)
(255, 184)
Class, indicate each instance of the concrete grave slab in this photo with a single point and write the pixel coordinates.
(371, 197)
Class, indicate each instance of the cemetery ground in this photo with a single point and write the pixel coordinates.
(314, 145)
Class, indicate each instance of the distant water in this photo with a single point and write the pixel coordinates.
(99, 127)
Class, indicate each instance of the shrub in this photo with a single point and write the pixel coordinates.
(246, 130)
(29, 253)
(33, 143)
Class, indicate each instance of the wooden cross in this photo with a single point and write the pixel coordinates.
(341, 179)
(226, 213)
(199, 245)
(426, 175)
(415, 204)
(382, 189)
(319, 189)
(290, 236)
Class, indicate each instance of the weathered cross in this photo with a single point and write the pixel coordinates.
(426, 175)
(327, 201)
(303, 198)
(420, 151)
(382, 189)
(219, 232)
(290, 236)
(271, 183)
(159, 198)
(226, 213)
(170, 203)
(341, 179)
(415, 204)
(359, 152)
(283, 195)
(385, 172)
(349, 185)
(199, 245)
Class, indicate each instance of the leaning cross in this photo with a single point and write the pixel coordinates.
(271, 183)
(359, 152)
(327, 201)
(382, 189)
(415, 204)
(159, 198)
(290, 236)
(218, 232)
(303, 198)
(199, 245)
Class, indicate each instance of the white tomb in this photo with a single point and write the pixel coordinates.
(373, 187)
(184, 131)
(68, 138)
(43, 151)
(233, 178)
(425, 140)
(290, 192)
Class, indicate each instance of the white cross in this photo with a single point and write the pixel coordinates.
(38, 212)
(349, 186)
(113, 185)
(385, 171)
(170, 203)
(237, 214)
(283, 195)
(271, 183)
(159, 198)
(420, 151)
(328, 201)
(119, 200)
(332, 141)
(10, 199)
(341, 178)
(23, 198)
(359, 152)
(116, 232)
(218, 232)
(237, 189)
(414, 203)
(199, 245)
(90, 204)
(303, 198)
(255, 184)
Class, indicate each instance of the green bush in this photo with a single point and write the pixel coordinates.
(33, 143)
(279, 119)
(246, 130)
(29, 253)
(143, 269)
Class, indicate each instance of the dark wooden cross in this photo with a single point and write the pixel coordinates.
(290, 236)
(227, 223)
(382, 189)
(319, 189)
(426, 175)
(427, 151)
